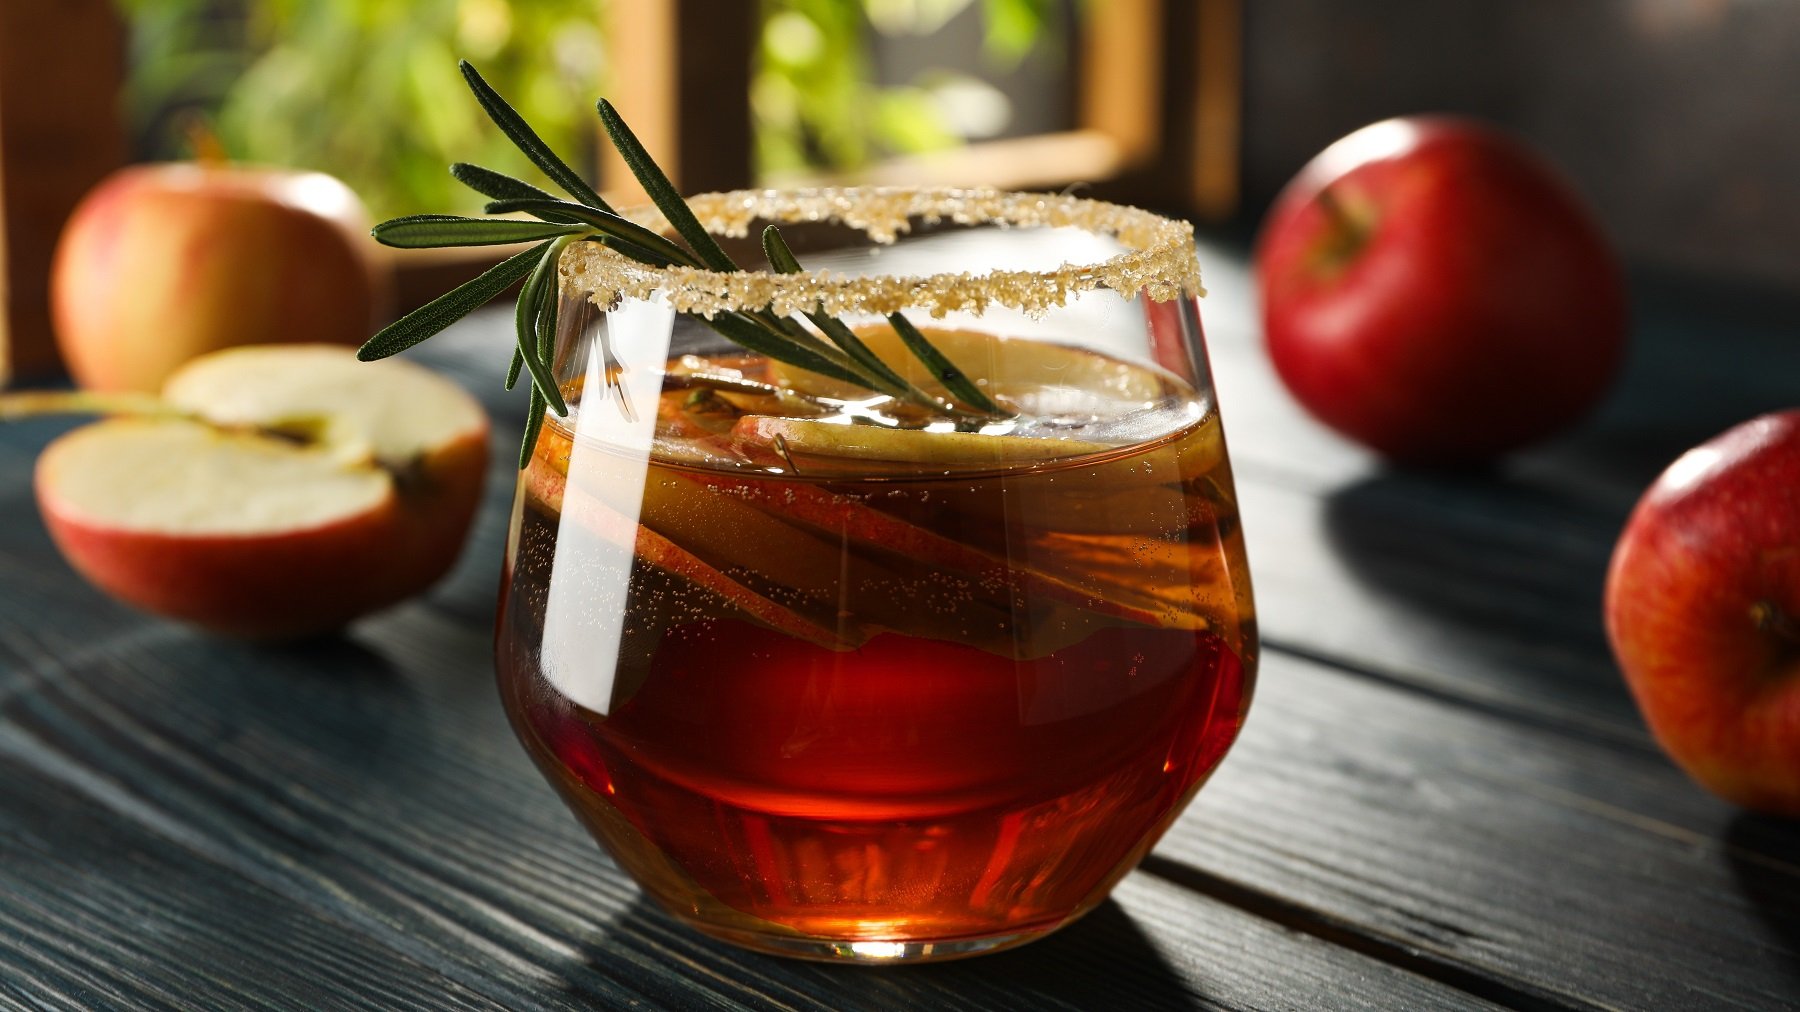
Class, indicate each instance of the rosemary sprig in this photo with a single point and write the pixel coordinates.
(622, 234)
(783, 261)
(449, 307)
(840, 354)
(530, 310)
(430, 231)
(662, 192)
(498, 186)
(945, 370)
(526, 139)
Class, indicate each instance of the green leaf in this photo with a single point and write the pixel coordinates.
(449, 307)
(499, 186)
(547, 298)
(662, 192)
(429, 231)
(534, 423)
(782, 259)
(655, 249)
(747, 332)
(527, 315)
(512, 369)
(945, 370)
(527, 140)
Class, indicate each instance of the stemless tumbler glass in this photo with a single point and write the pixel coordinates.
(837, 674)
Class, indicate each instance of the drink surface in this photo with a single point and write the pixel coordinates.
(858, 681)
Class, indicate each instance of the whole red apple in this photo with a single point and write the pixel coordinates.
(1703, 609)
(161, 263)
(1434, 290)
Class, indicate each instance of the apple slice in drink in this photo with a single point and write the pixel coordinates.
(748, 540)
(836, 444)
(1115, 569)
(855, 523)
(1035, 376)
(1135, 493)
(548, 485)
(303, 490)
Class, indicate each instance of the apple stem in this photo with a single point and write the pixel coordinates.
(1347, 231)
(1771, 619)
(203, 141)
(1334, 209)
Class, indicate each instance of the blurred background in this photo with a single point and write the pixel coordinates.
(1679, 119)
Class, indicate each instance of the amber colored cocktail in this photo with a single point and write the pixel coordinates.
(881, 691)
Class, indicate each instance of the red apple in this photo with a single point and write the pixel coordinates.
(1434, 290)
(1703, 609)
(161, 263)
(310, 489)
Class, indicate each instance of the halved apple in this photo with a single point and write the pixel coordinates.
(307, 489)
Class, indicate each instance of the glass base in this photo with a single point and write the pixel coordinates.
(869, 951)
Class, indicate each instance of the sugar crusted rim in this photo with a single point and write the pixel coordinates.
(1160, 260)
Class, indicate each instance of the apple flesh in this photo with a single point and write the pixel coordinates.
(1434, 290)
(162, 263)
(1703, 611)
(312, 490)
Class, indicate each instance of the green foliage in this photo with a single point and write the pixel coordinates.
(816, 103)
(358, 88)
(364, 89)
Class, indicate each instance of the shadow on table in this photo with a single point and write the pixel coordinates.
(1062, 968)
(1761, 850)
(1705, 355)
(1102, 961)
(329, 693)
(1477, 555)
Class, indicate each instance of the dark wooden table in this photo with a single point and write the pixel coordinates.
(1444, 796)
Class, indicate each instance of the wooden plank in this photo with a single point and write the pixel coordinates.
(1577, 872)
(1555, 843)
(370, 786)
(425, 855)
(1558, 803)
(96, 916)
(1560, 867)
(1481, 592)
(374, 779)
(384, 792)
(1484, 586)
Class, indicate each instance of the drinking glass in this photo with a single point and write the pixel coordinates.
(835, 674)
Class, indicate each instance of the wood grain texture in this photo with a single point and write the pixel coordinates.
(1481, 586)
(358, 810)
(1443, 797)
(1575, 872)
(1540, 835)
(369, 789)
